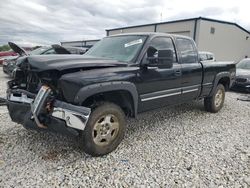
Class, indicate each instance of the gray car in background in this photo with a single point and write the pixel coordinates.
(242, 80)
(9, 64)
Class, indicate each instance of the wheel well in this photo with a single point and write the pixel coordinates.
(121, 98)
(225, 81)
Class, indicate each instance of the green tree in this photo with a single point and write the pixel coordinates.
(4, 47)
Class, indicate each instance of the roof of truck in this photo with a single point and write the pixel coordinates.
(151, 34)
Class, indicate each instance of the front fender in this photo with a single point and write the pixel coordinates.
(94, 89)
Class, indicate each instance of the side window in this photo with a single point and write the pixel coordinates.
(72, 51)
(163, 43)
(50, 51)
(187, 50)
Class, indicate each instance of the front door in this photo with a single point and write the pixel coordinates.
(159, 86)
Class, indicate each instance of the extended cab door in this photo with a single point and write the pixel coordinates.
(191, 68)
(159, 86)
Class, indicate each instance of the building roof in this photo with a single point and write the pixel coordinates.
(183, 20)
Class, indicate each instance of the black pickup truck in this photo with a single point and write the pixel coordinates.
(89, 96)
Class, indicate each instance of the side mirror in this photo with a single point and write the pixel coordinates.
(166, 58)
(162, 58)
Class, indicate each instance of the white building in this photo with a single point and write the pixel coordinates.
(227, 40)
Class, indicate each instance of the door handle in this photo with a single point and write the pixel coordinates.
(178, 72)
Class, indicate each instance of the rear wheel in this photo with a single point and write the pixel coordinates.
(104, 131)
(215, 102)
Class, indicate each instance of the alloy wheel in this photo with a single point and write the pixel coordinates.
(105, 130)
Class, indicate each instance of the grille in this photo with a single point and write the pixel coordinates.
(241, 79)
(33, 82)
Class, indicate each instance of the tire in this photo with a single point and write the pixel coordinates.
(216, 101)
(104, 131)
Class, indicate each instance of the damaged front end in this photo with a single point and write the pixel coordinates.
(45, 109)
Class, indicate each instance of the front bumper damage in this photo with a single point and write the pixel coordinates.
(32, 112)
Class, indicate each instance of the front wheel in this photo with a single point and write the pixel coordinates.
(104, 131)
(215, 102)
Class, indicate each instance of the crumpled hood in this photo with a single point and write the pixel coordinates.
(41, 63)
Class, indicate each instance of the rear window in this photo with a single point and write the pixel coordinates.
(40, 50)
(187, 51)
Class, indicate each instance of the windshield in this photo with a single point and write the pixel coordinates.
(40, 50)
(244, 64)
(121, 48)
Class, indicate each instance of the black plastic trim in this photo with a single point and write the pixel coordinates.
(94, 89)
(217, 78)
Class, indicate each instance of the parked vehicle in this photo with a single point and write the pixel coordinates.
(123, 75)
(76, 50)
(5, 54)
(242, 81)
(58, 49)
(11, 53)
(2, 59)
(8, 53)
(206, 57)
(9, 64)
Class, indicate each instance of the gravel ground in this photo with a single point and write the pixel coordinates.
(181, 146)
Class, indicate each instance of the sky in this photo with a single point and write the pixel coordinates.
(43, 22)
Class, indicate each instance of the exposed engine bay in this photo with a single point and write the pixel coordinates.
(40, 93)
